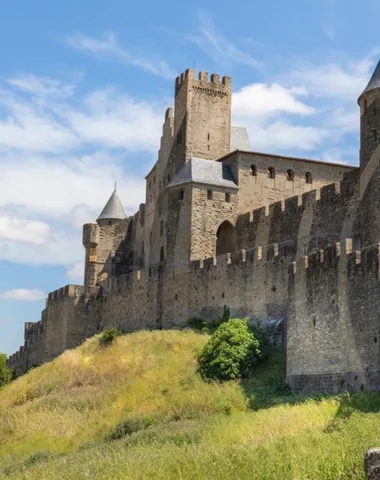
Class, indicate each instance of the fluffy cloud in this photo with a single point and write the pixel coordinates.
(23, 231)
(331, 80)
(261, 100)
(49, 186)
(22, 294)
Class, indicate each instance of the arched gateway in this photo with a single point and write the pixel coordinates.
(226, 240)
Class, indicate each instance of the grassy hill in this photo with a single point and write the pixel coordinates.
(138, 409)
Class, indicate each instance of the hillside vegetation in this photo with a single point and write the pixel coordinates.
(138, 409)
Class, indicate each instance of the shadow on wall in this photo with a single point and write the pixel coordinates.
(226, 238)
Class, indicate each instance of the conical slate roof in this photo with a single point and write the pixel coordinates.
(374, 82)
(114, 209)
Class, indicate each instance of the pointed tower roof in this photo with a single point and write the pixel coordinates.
(114, 208)
(374, 82)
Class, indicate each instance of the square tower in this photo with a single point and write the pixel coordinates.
(202, 118)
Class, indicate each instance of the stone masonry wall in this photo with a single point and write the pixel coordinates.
(333, 329)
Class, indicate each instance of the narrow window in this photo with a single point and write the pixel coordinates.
(290, 175)
(209, 194)
(253, 170)
(375, 135)
(208, 137)
(162, 254)
(150, 237)
(228, 197)
(161, 228)
(308, 178)
(181, 194)
(271, 173)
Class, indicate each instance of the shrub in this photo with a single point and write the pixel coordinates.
(130, 426)
(108, 336)
(231, 352)
(6, 373)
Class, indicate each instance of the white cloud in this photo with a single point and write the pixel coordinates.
(280, 136)
(76, 273)
(24, 231)
(259, 99)
(47, 122)
(22, 294)
(108, 47)
(42, 86)
(332, 81)
(111, 119)
(48, 186)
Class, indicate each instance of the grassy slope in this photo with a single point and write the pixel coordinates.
(55, 422)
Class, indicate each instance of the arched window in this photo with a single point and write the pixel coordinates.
(228, 197)
(181, 194)
(253, 170)
(271, 172)
(308, 178)
(162, 254)
(226, 238)
(290, 175)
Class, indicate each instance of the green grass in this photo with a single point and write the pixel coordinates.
(138, 409)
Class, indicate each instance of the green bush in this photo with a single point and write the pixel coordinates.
(132, 425)
(6, 373)
(108, 336)
(231, 352)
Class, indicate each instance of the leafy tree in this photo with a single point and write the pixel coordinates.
(231, 352)
(5, 371)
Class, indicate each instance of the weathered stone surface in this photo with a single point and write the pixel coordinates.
(372, 464)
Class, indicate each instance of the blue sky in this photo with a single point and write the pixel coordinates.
(83, 91)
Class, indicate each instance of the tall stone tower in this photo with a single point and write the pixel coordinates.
(369, 102)
(202, 118)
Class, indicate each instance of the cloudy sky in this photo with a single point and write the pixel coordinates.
(83, 91)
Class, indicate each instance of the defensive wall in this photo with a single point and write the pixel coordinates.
(333, 331)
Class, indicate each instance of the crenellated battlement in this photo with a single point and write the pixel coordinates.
(214, 82)
(69, 291)
(355, 262)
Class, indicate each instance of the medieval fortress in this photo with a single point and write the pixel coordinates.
(271, 237)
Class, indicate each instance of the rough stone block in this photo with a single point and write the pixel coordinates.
(372, 464)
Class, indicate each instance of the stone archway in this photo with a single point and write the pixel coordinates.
(226, 239)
